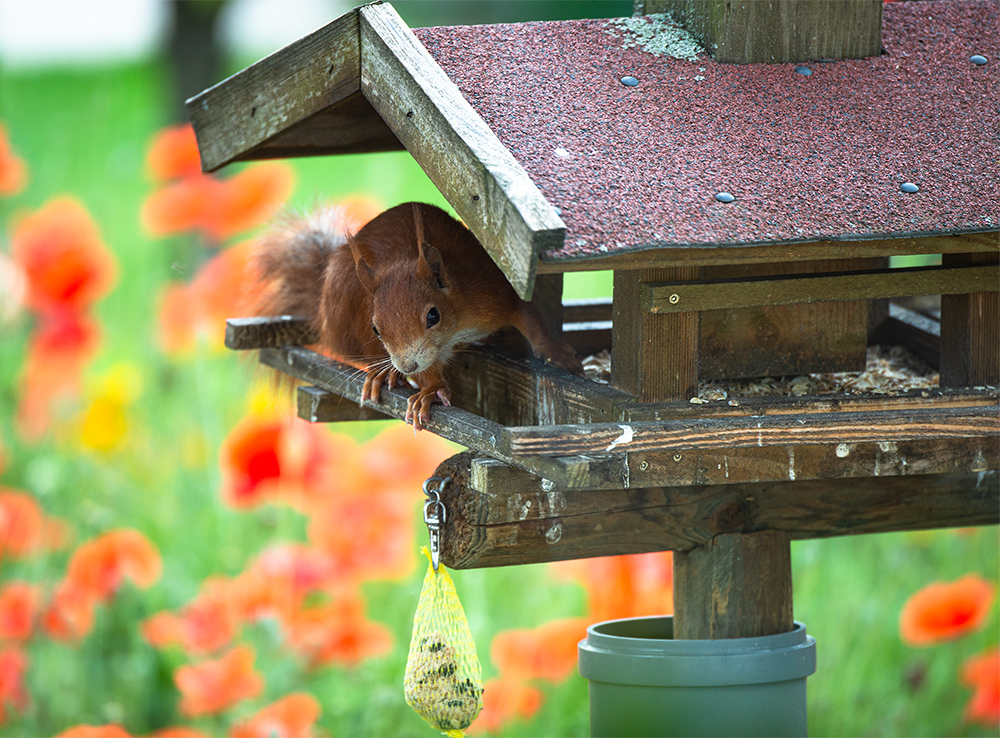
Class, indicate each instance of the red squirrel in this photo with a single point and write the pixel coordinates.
(398, 298)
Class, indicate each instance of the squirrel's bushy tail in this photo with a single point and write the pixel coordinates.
(291, 260)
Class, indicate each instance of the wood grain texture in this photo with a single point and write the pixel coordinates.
(735, 586)
(970, 327)
(779, 31)
(256, 333)
(504, 516)
(489, 190)
(917, 333)
(320, 406)
(267, 98)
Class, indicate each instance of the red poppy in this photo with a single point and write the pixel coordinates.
(21, 522)
(111, 730)
(66, 262)
(504, 701)
(213, 686)
(942, 611)
(61, 346)
(70, 612)
(206, 624)
(624, 586)
(306, 569)
(180, 206)
(290, 717)
(546, 652)
(357, 210)
(174, 153)
(100, 565)
(982, 673)
(13, 172)
(13, 665)
(400, 459)
(18, 609)
(248, 199)
(179, 731)
(337, 633)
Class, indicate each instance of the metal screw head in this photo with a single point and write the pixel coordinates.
(629, 81)
(678, 457)
(724, 197)
(805, 71)
(909, 187)
(643, 465)
(977, 59)
(674, 299)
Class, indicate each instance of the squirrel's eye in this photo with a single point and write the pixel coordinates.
(433, 317)
(375, 329)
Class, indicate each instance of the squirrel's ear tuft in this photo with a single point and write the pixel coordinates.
(366, 275)
(430, 267)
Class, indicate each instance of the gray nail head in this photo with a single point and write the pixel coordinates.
(629, 81)
(909, 187)
(803, 70)
(977, 59)
(724, 197)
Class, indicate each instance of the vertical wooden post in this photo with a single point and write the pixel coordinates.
(547, 296)
(655, 355)
(970, 326)
(735, 586)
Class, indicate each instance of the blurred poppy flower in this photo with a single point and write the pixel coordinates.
(70, 612)
(398, 458)
(13, 172)
(180, 206)
(292, 716)
(64, 259)
(111, 730)
(24, 528)
(337, 632)
(546, 652)
(213, 686)
(179, 731)
(504, 701)
(624, 586)
(174, 153)
(357, 210)
(982, 673)
(13, 665)
(100, 565)
(13, 288)
(945, 610)
(307, 569)
(248, 199)
(206, 624)
(18, 608)
(61, 346)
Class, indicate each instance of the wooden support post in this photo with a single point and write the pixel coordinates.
(734, 586)
(970, 324)
(655, 356)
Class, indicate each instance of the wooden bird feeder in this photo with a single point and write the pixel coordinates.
(607, 145)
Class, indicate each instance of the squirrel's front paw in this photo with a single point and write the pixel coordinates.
(375, 379)
(418, 409)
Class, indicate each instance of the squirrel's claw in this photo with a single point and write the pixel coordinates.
(418, 408)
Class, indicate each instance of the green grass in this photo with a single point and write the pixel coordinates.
(85, 134)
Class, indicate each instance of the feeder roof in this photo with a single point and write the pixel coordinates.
(532, 135)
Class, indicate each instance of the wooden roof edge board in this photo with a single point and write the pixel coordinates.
(656, 255)
(235, 116)
(461, 155)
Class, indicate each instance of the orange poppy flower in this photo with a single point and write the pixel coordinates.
(21, 522)
(70, 612)
(504, 701)
(63, 257)
(248, 199)
(982, 673)
(290, 717)
(13, 172)
(307, 569)
(174, 153)
(546, 652)
(214, 686)
(18, 608)
(100, 565)
(398, 458)
(624, 586)
(337, 632)
(179, 731)
(180, 206)
(13, 665)
(111, 730)
(206, 624)
(61, 346)
(358, 210)
(945, 610)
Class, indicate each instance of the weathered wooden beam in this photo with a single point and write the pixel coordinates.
(271, 332)
(779, 30)
(734, 586)
(319, 406)
(301, 80)
(654, 255)
(970, 325)
(500, 516)
(477, 174)
(794, 289)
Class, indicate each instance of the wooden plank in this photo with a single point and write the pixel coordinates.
(489, 190)
(656, 356)
(651, 256)
(917, 333)
(271, 332)
(320, 406)
(734, 586)
(779, 31)
(500, 516)
(741, 432)
(970, 325)
(302, 79)
(767, 463)
(787, 290)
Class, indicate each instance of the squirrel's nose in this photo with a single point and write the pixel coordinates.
(407, 366)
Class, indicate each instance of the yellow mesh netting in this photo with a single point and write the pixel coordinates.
(443, 680)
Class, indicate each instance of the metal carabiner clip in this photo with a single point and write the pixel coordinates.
(434, 516)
